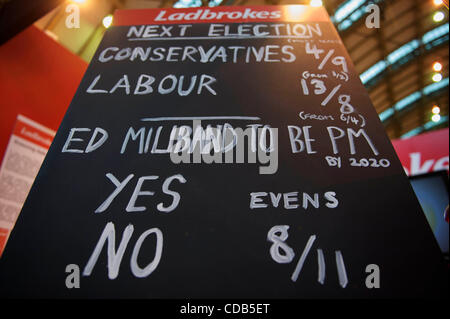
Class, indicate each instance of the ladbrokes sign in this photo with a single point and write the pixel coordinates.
(218, 14)
(206, 14)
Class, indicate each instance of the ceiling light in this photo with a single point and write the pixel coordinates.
(436, 109)
(107, 21)
(436, 118)
(437, 66)
(315, 3)
(437, 77)
(438, 16)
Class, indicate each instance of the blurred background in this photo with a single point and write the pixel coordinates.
(403, 64)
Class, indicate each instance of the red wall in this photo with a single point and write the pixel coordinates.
(38, 78)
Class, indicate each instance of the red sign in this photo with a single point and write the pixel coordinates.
(220, 14)
(423, 153)
(34, 132)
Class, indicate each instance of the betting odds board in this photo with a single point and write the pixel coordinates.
(227, 152)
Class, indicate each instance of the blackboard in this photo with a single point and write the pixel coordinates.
(324, 207)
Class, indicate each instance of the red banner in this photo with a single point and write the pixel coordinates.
(424, 153)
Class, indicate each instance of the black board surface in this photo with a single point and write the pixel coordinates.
(335, 200)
